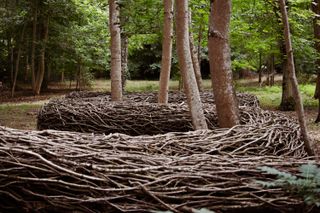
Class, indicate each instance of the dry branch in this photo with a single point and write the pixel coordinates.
(64, 171)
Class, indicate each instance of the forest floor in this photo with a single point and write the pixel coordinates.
(21, 111)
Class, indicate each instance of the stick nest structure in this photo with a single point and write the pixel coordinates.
(138, 115)
(55, 171)
(217, 169)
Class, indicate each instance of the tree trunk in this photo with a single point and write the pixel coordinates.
(124, 48)
(287, 99)
(33, 46)
(194, 56)
(166, 52)
(124, 60)
(200, 35)
(41, 73)
(186, 66)
(293, 79)
(116, 85)
(12, 64)
(62, 75)
(78, 77)
(272, 71)
(316, 29)
(220, 63)
(18, 61)
(27, 68)
(260, 69)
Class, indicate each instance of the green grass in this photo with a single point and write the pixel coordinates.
(270, 97)
(21, 115)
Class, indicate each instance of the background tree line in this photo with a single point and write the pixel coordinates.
(56, 40)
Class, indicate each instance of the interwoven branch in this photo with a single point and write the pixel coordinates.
(64, 171)
(136, 116)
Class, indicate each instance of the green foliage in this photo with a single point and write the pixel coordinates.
(306, 184)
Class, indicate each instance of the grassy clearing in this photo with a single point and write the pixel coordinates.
(270, 97)
(21, 115)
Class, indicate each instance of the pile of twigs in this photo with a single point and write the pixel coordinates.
(264, 132)
(152, 97)
(133, 118)
(53, 171)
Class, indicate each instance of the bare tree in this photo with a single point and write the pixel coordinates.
(186, 65)
(114, 24)
(293, 78)
(166, 52)
(220, 63)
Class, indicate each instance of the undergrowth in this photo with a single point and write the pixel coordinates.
(306, 184)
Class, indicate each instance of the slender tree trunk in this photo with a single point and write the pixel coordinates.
(78, 77)
(62, 75)
(166, 52)
(316, 29)
(186, 66)
(200, 35)
(41, 73)
(124, 48)
(220, 63)
(18, 61)
(293, 79)
(27, 68)
(260, 68)
(33, 46)
(317, 96)
(268, 72)
(124, 60)
(12, 64)
(116, 85)
(272, 70)
(287, 99)
(194, 56)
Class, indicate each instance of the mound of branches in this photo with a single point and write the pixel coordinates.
(133, 118)
(152, 97)
(63, 171)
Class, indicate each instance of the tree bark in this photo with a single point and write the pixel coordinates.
(116, 85)
(33, 46)
(200, 35)
(316, 29)
(27, 68)
(220, 63)
(40, 74)
(166, 52)
(293, 79)
(194, 56)
(124, 48)
(287, 99)
(124, 60)
(11, 63)
(186, 66)
(18, 61)
(260, 68)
